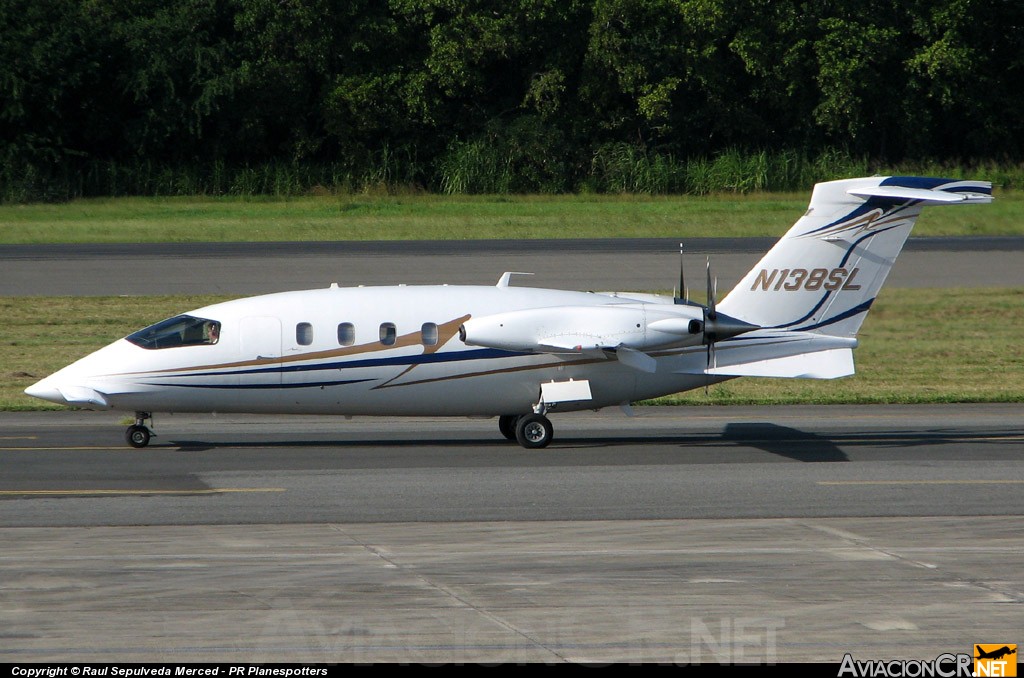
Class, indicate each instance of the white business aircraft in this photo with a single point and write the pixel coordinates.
(513, 352)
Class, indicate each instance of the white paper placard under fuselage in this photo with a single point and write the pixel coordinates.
(565, 391)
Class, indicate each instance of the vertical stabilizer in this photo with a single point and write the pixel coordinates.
(824, 274)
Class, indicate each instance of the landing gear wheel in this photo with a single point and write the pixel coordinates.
(137, 435)
(507, 425)
(534, 431)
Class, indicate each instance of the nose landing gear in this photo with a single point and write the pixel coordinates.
(138, 435)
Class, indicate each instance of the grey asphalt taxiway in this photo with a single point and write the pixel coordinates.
(607, 264)
(682, 535)
(74, 468)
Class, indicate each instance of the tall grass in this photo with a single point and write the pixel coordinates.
(481, 167)
(474, 167)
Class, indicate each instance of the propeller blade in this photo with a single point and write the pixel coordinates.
(683, 292)
(711, 294)
(707, 371)
(710, 325)
(712, 363)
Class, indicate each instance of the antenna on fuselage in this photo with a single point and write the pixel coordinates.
(506, 277)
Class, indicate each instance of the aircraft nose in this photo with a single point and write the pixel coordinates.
(46, 390)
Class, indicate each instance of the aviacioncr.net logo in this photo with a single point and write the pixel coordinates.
(994, 659)
(946, 665)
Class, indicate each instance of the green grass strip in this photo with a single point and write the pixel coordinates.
(433, 217)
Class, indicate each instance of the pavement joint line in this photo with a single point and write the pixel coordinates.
(508, 626)
(864, 543)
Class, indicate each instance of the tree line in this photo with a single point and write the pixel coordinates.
(165, 96)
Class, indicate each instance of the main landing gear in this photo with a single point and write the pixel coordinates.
(532, 431)
(138, 435)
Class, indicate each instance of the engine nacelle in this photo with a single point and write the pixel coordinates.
(579, 328)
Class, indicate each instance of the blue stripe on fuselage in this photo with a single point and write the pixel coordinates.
(267, 386)
(421, 359)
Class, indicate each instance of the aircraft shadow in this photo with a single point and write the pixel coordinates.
(779, 440)
(786, 442)
(782, 441)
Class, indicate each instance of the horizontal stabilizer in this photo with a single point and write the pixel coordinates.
(774, 354)
(830, 364)
(925, 195)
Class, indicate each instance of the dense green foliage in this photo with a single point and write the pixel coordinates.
(465, 96)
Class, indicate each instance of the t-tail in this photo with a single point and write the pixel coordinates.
(825, 273)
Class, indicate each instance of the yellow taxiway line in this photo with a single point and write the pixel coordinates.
(132, 492)
(77, 448)
(921, 482)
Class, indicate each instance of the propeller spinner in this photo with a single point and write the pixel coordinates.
(715, 326)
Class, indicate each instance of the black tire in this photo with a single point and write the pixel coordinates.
(507, 425)
(534, 431)
(137, 436)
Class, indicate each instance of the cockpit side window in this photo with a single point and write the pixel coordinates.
(182, 330)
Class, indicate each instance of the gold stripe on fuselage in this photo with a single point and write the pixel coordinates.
(445, 333)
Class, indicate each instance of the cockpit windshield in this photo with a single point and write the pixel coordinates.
(182, 330)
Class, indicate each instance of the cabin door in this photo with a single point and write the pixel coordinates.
(260, 346)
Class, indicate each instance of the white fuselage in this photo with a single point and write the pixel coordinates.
(287, 353)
